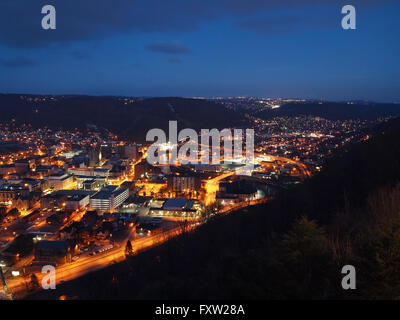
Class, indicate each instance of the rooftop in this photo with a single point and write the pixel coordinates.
(55, 245)
(177, 203)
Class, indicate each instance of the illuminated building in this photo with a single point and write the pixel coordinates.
(56, 252)
(130, 151)
(92, 184)
(109, 198)
(182, 183)
(6, 169)
(76, 201)
(10, 192)
(177, 207)
(144, 169)
(59, 181)
(59, 198)
(92, 172)
(24, 165)
(208, 168)
(94, 157)
(28, 201)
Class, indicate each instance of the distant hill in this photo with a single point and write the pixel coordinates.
(129, 118)
(291, 248)
(334, 111)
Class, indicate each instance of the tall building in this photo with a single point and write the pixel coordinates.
(77, 201)
(6, 169)
(107, 151)
(10, 192)
(109, 198)
(183, 183)
(94, 157)
(130, 151)
(24, 165)
(59, 181)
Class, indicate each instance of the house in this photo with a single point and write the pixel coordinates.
(58, 218)
(25, 202)
(53, 252)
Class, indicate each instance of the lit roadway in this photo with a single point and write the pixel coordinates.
(303, 168)
(240, 205)
(86, 263)
(212, 186)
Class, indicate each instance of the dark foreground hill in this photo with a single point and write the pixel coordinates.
(292, 248)
(129, 118)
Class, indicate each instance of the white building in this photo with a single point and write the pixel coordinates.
(77, 201)
(109, 198)
(59, 181)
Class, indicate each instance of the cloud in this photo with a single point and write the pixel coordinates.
(288, 23)
(168, 48)
(251, 6)
(18, 62)
(20, 21)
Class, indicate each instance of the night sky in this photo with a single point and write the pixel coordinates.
(269, 48)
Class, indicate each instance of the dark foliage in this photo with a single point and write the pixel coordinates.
(131, 120)
(334, 110)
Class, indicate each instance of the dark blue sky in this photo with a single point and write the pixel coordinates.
(271, 48)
